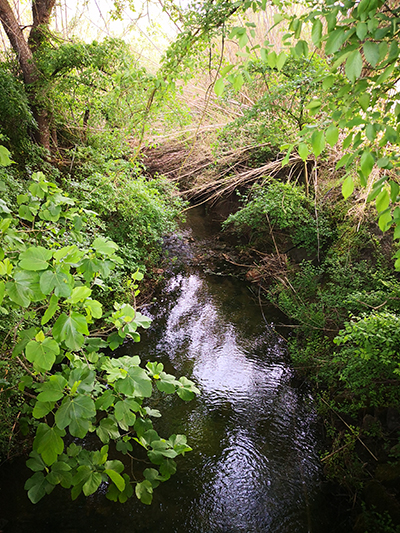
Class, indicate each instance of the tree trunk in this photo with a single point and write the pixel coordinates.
(24, 49)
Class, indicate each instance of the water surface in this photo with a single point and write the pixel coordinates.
(254, 466)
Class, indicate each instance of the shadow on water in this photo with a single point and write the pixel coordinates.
(254, 466)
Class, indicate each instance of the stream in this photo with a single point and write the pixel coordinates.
(254, 467)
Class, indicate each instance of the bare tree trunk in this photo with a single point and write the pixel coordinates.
(24, 49)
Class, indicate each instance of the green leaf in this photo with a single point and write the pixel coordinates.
(332, 135)
(238, 82)
(303, 151)
(116, 478)
(24, 288)
(335, 40)
(71, 329)
(42, 354)
(35, 258)
(107, 429)
(37, 486)
(391, 134)
(347, 187)
(382, 201)
(361, 30)
(136, 383)
(42, 409)
(219, 87)
(75, 409)
(53, 389)
(394, 192)
(144, 492)
(281, 60)
(35, 463)
(124, 415)
(367, 162)
(59, 281)
(371, 52)
(318, 142)
(316, 32)
(94, 308)
(354, 66)
(79, 294)
(5, 160)
(51, 310)
(48, 443)
(364, 101)
(272, 59)
(92, 483)
(385, 221)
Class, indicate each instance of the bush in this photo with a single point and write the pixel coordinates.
(287, 208)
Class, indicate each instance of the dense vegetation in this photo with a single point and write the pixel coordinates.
(318, 103)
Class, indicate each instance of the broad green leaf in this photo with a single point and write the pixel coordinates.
(24, 288)
(48, 443)
(370, 132)
(79, 294)
(35, 258)
(243, 40)
(272, 59)
(335, 40)
(4, 208)
(316, 32)
(51, 310)
(318, 142)
(382, 201)
(5, 160)
(37, 486)
(361, 30)
(367, 162)
(71, 329)
(301, 48)
(371, 52)
(327, 82)
(94, 307)
(74, 409)
(53, 389)
(144, 492)
(42, 409)
(394, 192)
(332, 135)
(25, 213)
(69, 255)
(391, 134)
(354, 66)
(136, 383)
(348, 187)
(281, 60)
(385, 221)
(92, 483)
(364, 101)
(79, 427)
(107, 429)
(238, 82)
(43, 354)
(57, 280)
(219, 87)
(116, 478)
(35, 462)
(124, 415)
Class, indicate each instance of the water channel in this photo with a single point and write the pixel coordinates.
(254, 467)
